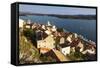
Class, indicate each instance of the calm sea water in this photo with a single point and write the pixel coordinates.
(86, 28)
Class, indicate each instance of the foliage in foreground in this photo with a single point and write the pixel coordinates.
(27, 52)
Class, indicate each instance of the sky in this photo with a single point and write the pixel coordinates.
(56, 10)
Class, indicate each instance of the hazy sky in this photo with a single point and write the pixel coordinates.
(56, 10)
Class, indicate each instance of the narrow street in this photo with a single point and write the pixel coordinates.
(61, 56)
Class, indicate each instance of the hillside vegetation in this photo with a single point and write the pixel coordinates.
(27, 52)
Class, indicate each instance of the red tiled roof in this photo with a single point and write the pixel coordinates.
(74, 43)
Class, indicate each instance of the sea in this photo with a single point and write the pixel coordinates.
(84, 27)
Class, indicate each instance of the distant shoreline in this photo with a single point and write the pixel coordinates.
(87, 17)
